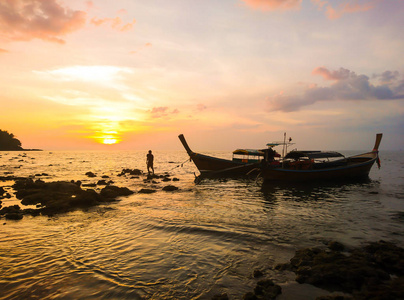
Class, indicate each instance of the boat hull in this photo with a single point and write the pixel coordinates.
(210, 166)
(356, 167)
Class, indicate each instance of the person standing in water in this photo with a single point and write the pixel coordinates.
(149, 161)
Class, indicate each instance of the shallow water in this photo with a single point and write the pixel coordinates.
(194, 243)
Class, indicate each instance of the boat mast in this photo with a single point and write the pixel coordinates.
(283, 149)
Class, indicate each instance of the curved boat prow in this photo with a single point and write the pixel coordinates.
(377, 143)
(185, 144)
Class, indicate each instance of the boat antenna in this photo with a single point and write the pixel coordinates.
(284, 143)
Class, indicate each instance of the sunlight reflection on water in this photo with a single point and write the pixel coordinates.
(190, 244)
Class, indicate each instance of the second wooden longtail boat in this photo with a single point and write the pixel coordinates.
(310, 166)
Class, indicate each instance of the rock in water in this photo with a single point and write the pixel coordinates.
(170, 188)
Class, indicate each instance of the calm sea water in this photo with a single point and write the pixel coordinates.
(194, 243)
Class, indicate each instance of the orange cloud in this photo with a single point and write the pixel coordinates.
(332, 75)
(273, 4)
(345, 7)
(161, 112)
(3, 51)
(115, 23)
(24, 20)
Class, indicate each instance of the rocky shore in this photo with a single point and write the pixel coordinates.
(51, 198)
(372, 272)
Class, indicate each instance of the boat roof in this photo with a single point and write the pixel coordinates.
(313, 154)
(254, 152)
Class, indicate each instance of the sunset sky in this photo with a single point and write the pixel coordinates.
(133, 74)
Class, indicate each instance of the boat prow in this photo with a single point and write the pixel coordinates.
(210, 166)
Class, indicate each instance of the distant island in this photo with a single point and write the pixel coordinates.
(8, 142)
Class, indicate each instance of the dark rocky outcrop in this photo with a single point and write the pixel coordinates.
(265, 289)
(363, 272)
(112, 192)
(258, 273)
(146, 191)
(12, 212)
(220, 297)
(62, 196)
(131, 172)
(170, 188)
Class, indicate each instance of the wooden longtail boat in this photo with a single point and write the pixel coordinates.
(244, 160)
(315, 166)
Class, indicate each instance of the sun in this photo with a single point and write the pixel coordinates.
(109, 141)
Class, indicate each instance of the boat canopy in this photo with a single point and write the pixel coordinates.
(252, 152)
(313, 154)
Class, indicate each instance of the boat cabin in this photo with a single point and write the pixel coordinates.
(248, 155)
(305, 160)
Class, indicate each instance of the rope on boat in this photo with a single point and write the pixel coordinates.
(180, 165)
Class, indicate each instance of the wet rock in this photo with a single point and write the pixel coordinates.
(10, 210)
(105, 176)
(146, 191)
(170, 188)
(153, 176)
(250, 296)
(166, 179)
(89, 184)
(336, 246)
(14, 216)
(393, 289)
(220, 297)
(91, 174)
(2, 191)
(175, 179)
(78, 182)
(32, 212)
(387, 256)
(41, 174)
(258, 273)
(114, 191)
(102, 182)
(61, 196)
(267, 289)
(363, 269)
(131, 172)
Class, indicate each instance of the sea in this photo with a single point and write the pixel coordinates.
(196, 242)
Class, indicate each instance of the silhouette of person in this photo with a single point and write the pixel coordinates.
(149, 161)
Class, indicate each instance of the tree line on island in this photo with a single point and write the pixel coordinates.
(8, 142)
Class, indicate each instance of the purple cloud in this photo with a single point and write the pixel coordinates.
(347, 85)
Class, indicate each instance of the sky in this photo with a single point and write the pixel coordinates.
(134, 74)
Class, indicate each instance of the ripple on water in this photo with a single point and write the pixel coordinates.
(199, 241)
